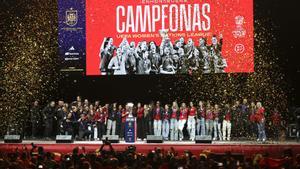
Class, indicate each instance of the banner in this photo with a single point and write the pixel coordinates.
(71, 35)
(130, 130)
(146, 37)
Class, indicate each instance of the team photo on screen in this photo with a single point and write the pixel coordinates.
(148, 58)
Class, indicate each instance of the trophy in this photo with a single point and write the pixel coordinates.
(164, 33)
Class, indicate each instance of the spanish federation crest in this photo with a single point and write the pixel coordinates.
(71, 17)
(239, 32)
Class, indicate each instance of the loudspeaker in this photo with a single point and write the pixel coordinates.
(12, 139)
(111, 138)
(203, 139)
(64, 139)
(292, 128)
(154, 139)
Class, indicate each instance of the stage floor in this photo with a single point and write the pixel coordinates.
(167, 142)
(248, 148)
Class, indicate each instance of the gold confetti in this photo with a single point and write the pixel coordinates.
(30, 60)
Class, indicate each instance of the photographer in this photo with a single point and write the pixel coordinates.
(105, 152)
(84, 126)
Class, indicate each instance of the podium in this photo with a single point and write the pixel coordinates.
(130, 133)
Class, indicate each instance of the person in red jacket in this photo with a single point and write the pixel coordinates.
(140, 122)
(157, 119)
(272, 163)
(166, 122)
(99, 118)
(201, 119)
(227, 123)
(209, 119)
(260, 119)
(217, 122)
(182, 119)
(276, 123)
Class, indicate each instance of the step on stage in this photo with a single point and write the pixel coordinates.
(247, 148)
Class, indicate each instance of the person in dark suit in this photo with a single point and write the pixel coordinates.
(236, 119)
(35, 116)
(67, 123)
(148, 121)
(49, 117)
(60, 117)
(119, 120)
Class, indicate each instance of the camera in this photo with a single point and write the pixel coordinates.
(131, 149)
(220, 164)
(106, 141)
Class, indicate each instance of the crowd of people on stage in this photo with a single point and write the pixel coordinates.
(145, 58)
(86, 120)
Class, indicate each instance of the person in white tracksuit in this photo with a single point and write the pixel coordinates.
(191, 123)
(174, 122)
(182, 119)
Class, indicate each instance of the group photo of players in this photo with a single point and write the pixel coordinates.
(179, 57)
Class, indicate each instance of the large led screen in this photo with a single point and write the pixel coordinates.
(144, 37)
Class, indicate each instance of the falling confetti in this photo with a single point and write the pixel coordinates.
(30, 60)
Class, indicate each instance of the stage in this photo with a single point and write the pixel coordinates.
(248, 148)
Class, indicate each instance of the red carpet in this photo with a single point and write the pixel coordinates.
(247, 149)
